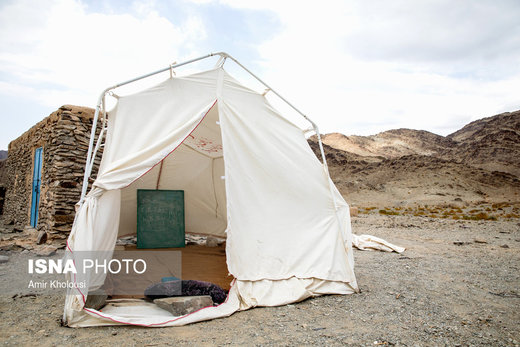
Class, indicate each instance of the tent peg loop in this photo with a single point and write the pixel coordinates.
(112, 94)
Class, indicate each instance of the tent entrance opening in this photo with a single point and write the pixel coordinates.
(195, 167)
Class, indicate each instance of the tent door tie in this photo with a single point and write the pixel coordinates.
(172, 72)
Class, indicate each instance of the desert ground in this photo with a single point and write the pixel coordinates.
(457, 284)
(453, 202)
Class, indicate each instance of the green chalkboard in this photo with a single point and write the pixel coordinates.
(160, 218)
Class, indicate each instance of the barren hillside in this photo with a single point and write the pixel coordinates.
(391, 143)
(480, 162)
(491, 143)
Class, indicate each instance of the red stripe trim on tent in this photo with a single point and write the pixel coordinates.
(98, 313)
(75, 287)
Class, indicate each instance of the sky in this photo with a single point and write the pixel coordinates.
(355, 67)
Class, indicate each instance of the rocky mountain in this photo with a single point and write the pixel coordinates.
(479, 129)
(479, 162)
(491, 143)
(3, 155)
(390, 144)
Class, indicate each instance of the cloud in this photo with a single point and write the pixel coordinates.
(356, 67)
(363, 67)
(72, 53)
(468, 35)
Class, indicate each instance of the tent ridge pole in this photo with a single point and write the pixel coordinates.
(89, 163)
(173, 66)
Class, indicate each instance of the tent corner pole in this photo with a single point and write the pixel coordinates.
(88, 164)
(317, 131)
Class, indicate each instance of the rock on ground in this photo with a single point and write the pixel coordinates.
(182, 305)
(46, 251)
(41, 238)
(96, 299)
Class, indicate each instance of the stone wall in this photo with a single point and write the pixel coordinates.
(3, 182)
(64, 136)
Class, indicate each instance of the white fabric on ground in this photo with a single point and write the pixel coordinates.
(369, 242)
(242, 296)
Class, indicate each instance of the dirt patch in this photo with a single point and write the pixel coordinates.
(445, 289)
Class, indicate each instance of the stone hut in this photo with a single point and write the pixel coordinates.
(44, 171)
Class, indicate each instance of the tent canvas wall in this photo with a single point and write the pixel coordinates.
(248, 175)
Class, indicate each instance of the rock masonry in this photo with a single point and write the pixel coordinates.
(64, 136)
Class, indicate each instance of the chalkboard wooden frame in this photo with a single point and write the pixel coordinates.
(160, 218)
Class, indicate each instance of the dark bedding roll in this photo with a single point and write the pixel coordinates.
(186, 288)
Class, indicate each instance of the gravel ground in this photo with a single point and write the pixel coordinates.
(457, 284)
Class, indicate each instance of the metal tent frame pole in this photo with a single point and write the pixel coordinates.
(92, 151)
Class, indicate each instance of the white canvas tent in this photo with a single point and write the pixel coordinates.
(248, 174)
